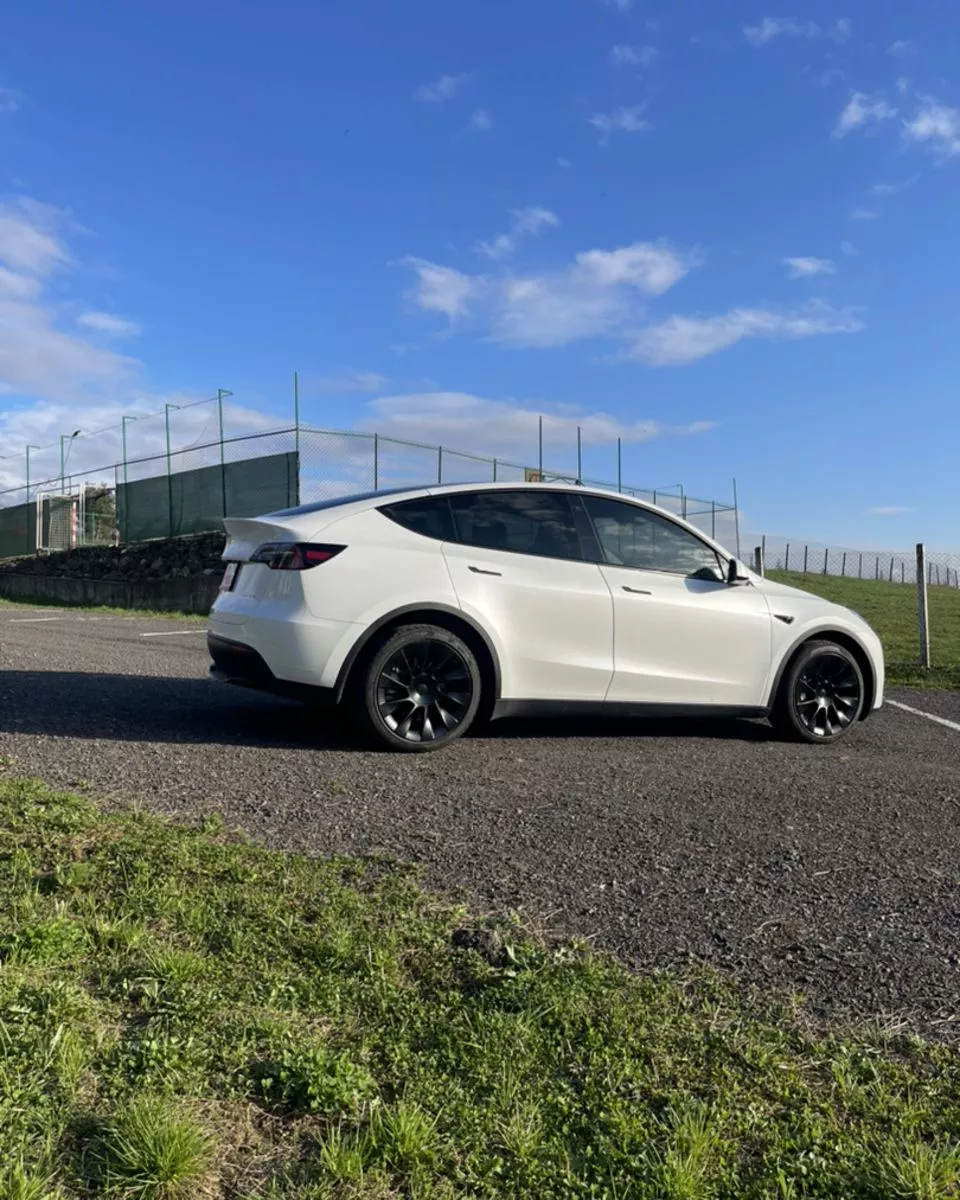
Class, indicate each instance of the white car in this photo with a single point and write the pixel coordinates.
(425, 608)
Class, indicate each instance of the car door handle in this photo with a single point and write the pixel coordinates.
(483, 571)
(637, 591)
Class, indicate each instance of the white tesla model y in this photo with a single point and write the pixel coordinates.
(425, 608)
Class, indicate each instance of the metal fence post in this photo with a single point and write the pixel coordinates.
(806, 554)
(876, 573)
(826, 560)
(903, 573)
(494, 470)
(713, 518)
(540, 448)
(786, 558)
(843, 564)
(860, 567)
(579, 458)
(938, 574)
(439, 464)
(619, 465)
(376, 462)
(736, 516)
(763, 549)
(923, 613)
(758, 564)
(891, 570)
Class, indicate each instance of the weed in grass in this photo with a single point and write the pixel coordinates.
(151, 1152)
(684, 1168)
(19, 1182)
(916, 1170)
(312, 1078)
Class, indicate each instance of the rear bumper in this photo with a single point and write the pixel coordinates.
(239, 664)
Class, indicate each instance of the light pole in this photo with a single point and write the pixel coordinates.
(63, 460)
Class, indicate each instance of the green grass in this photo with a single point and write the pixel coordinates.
(183, 1014)
(98, 609)
(891, 608)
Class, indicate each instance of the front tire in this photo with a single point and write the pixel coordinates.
(821, 694)
(419, 690)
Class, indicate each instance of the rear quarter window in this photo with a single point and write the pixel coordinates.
(429, 516)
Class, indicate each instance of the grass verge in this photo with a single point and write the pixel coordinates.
(183, 1014)
(98, 609)
(891, 608)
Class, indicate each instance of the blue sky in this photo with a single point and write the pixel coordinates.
(727, 233)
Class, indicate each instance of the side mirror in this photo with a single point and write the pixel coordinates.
(733, 571)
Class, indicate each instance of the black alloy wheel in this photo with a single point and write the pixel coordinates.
(822, 693)
(421, 689)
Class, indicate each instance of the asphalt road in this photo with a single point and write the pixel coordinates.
(829, 870)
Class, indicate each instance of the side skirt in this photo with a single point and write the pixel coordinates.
(618, 708)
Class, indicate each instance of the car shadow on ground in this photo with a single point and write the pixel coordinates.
(74, 704)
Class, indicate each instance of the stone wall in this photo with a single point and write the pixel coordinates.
(168, 575)
(166, 558)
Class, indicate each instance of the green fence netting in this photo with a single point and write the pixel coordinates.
(197, 501)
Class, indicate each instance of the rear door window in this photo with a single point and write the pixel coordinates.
(523, 522)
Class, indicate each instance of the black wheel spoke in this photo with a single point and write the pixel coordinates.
(827, 695)
(424, 691)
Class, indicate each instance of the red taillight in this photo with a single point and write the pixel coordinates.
(294, 556)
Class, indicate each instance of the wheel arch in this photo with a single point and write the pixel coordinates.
(446, 617)
(842, 638)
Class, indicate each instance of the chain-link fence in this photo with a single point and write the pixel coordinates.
(911, 597)
(194, 474)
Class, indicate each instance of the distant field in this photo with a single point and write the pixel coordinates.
(891, 608)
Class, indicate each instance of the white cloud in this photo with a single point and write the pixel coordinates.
(444, 88)
(594, 296)
(348, 381)
(901, 47)
(619, 5)
(888, 510)
(771, 28)
(806, 268)
(935, 126)
(679, 340)
(10, 100)
(481, 121)
(507, 428)
(112, 326)
(623, 120)
(564, 163)
(864, 214)
(37, 357)
(29, 237)
(527, 222)
(849, 249)
(441, 289)
(635, 56)
(860, 110)
(19, 286)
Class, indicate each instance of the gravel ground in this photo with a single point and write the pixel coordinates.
(832, 871)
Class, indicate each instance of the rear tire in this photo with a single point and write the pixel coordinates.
(419, 690)
(821, 694)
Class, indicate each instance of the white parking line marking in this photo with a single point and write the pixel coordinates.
(930, 717)
(173, 633)
(32, 620)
